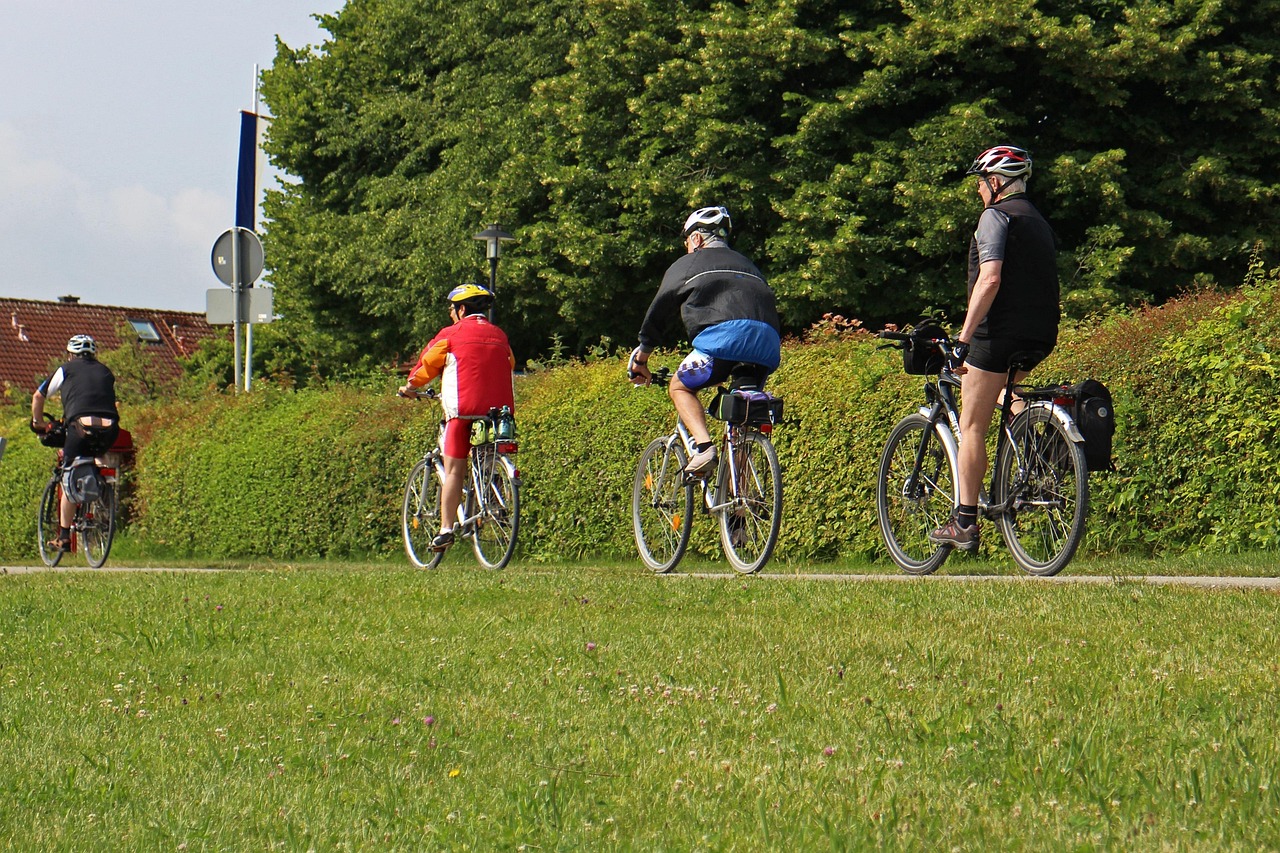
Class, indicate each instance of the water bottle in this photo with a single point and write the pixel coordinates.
(506, 425)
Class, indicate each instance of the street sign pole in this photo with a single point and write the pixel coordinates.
(235, 301)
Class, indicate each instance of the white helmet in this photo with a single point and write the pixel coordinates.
(711, 219)
(81, 344)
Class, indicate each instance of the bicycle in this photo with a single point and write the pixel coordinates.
(745, 492)
(489, 514)
(94, 526)
(1039, 494)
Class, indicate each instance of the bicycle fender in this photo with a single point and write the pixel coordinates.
(512, 470)
(944, 433)
(1063, 417)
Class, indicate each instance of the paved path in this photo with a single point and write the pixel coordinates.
(1153, 580)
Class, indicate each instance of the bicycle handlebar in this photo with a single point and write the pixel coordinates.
(429, 394)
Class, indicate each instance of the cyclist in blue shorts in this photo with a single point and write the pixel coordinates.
(729, 313)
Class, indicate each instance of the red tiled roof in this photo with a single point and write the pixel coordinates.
(34, 334)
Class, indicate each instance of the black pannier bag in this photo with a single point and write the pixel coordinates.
(1096, 419)
(921, 356)
(746, 407)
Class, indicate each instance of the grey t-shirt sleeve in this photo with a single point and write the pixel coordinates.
(992, 230)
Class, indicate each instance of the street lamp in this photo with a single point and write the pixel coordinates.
(493, 237)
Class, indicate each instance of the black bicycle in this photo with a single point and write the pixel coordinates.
(1039, 493)
(94, 526)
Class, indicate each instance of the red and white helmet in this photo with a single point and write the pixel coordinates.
(1002, 160)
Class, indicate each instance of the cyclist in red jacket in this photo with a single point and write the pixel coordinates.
(474, 362)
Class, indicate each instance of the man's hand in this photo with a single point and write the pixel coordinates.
(39, 427)
(956, 356)
(638, 367)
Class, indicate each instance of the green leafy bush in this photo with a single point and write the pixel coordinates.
(293, 474)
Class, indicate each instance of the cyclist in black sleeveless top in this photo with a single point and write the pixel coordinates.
(88, 389)
(1013, 307)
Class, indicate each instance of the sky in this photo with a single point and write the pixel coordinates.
(119, 129)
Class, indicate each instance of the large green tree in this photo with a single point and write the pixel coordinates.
(837, 133)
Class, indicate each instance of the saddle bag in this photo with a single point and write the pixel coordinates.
(746, 407)
(1096, 419)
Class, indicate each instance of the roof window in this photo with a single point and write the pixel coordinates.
(146, 330)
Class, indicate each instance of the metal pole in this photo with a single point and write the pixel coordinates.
(248, 351)
(235, 299)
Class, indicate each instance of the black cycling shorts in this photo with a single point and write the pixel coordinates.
(993, 354)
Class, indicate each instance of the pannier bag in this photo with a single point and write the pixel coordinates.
(1096, 420)
(746, 407)
(921, 356)
(81, 481)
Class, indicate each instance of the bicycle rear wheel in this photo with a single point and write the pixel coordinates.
(662, 504)
(749, 525)
(47, 522)
(913, 500)
(1041, 478)
(498, 524)
(420, 513)
(97, 523)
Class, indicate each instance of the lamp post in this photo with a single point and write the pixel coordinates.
(493, 238)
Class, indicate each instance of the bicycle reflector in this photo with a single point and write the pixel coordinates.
(508, 447)
(765, 429)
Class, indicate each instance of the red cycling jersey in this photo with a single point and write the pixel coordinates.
(475, 363)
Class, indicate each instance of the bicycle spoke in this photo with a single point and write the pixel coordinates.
(420, 513)
(752, 489)
(1041, 478)
(915, 491)
(661, 505)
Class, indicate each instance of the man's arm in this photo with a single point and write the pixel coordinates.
(984, 293)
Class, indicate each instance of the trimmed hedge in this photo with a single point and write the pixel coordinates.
(286, 474)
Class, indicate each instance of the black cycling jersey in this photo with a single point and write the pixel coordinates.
(1026, 305)
(87, 386)
(710, 286)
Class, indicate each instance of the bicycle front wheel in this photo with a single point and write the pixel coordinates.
(420, 514)
(98, 525)
(1043, 482)
(47, 522)
(915, 493)
(498, 523)
(662, 505)
(751, 485)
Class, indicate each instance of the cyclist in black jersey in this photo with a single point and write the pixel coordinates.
(729, 313)
(1013, 307)
(88, 389)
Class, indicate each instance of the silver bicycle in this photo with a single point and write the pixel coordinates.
(489, 514)
(744, 493)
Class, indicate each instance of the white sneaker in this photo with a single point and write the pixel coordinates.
(702, 461)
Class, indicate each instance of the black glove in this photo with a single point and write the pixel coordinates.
(956, 355)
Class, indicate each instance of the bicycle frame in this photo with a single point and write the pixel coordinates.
(733, 437)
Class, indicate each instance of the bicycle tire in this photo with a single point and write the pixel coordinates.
(498, 525)
(749, 526)
(420, 513)
(911, 507)
(662, 505)
(1043, 478)
(97, 524)
(48, 522)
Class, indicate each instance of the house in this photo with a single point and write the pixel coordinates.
(34, 335)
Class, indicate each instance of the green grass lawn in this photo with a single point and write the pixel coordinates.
(581, 707)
